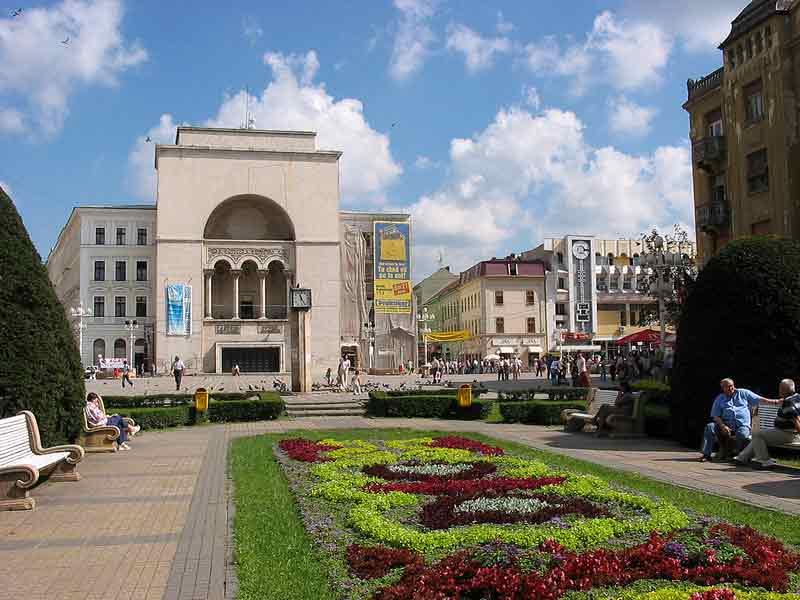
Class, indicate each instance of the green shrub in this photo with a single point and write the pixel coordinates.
(547, 394)
(153, 400)
(537, 412)
(435, 406)
(40, 366)
(656, 398)
(160, 417)
(745, 300)
(476, 391)
(268, 406)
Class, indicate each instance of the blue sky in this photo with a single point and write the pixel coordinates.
(513, 121)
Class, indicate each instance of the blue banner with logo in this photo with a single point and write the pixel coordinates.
(179, 309)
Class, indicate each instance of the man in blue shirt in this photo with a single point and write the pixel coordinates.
(731, 417)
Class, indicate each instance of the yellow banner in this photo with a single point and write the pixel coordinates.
(392, 275)
(449, 336)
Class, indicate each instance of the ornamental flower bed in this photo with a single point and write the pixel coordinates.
(455, 518)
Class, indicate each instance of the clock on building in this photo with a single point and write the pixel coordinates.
(580, 250)
(301, 298)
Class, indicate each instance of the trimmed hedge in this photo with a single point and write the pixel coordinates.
(155, 400)
(554, 394)
(159, 418)
(537, 412)
(268, 405)
(435, 406)
(40, 367)
(476, 391)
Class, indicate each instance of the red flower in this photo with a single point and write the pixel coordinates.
(462, 443)
(306, 450)
(462, 488)
(377, 561)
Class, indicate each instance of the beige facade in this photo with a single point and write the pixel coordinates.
(744, 121)
(242, 216)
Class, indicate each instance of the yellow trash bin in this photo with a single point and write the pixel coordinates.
(465, 396)
(201, 400)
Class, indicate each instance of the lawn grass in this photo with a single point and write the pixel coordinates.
(276, 559)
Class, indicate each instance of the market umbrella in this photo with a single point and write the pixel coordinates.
(492, 357)
(646, 336)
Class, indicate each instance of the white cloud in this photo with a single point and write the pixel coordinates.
(629, 118)
(531, 97)
(503, 27)
(529, 175)
(413, 38)
(701, 26)
(251, 29)
(479, 52)
(11, 121)
(425, 162)
(39, 73)
(141, 160)
(626, 54)
(293, 101)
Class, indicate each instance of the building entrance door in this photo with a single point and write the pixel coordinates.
(252, 360)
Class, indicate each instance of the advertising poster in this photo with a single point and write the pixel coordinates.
(392, 268)
(179, 309)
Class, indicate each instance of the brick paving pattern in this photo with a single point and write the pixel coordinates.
(153, 523)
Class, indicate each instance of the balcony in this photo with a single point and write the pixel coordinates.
(709, 153)
(712, 217)
(705, 84)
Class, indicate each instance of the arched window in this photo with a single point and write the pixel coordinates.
(98, 350)
(120, 349)
(249, 218)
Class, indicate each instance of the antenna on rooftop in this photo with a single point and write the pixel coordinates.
(249, 121)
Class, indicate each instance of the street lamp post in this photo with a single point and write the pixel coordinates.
(424, 318)
(79, 312)
(131, 326)
(661, 261)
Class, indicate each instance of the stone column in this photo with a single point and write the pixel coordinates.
(209, 304)
(236, 275)
(304, 349)
(262, 276)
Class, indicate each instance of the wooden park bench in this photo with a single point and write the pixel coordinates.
(765, 421)
(100, 438)
(22, 459)
(575, 420)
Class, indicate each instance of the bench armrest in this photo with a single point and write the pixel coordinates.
(76, 453)
(29, 475)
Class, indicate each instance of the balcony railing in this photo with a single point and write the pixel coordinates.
(705, 84)
(250, 312)
(711, 217)
(708, 153)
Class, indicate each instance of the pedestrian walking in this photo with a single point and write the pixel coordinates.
(603, 370)
(357, 382)
(126, 374)
(235, 371)
(177, 371)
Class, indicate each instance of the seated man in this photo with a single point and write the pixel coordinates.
(623, 406)
(731, 418)
(96, 417)
(787, 429)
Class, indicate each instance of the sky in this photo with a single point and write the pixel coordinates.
(494, 124)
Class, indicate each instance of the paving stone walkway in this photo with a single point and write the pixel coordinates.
(153, 523)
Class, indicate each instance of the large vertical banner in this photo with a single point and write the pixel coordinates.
(179, 309)
(392, 268)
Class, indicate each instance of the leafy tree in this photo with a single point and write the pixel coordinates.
(675, 280)
(741, 320)
(40, 368)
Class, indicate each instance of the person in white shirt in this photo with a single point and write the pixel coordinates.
(583, 372)
(177, 371)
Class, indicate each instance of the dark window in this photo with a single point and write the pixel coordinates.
(623, 318)
(100, 236)
(768, 36)
(748, 49)
(530, 297)
(498, 297)
(141, 270)
(500, 325)
(626, 283)
(120, 303)
(560, 257)
(732, 58)
(531, 325)
(120, 271)
(562, 283)
(120, 236)
(141, 236)
(512, 269)
(714, 123)
(754, 102)
(99, 306)
(757, 172)
(141, 306)
(740, 54)
(561, 309)
(99, 270)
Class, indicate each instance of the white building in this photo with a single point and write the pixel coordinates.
(242, 217)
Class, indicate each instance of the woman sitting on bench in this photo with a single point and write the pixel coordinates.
(623, 406)
(96, 417)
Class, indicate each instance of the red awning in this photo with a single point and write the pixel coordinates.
(646, 336)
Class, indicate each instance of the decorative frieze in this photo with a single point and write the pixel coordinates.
(238, 254)
(228, 329)
(269, 328)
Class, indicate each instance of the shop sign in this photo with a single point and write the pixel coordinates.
(532, 341)
(505, 342)
(569, 336)
(270, 328)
